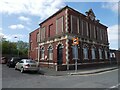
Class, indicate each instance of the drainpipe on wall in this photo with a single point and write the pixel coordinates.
(56, 68)
(39, 47)
(38, 54)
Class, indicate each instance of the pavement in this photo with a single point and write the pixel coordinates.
(85, 71)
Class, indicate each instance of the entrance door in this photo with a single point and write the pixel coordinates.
(59, 55)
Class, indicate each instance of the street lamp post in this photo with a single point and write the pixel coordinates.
(18, 45)
(75, 51)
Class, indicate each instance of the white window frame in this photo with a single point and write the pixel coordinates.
(37, 36)
(100, 53)
(106, 54)
(90, 30)
(87, 28)
(112, 55)
(71, 22)
(57, 24)
(93, 53)
(50, 53)
(78, 21)
(85, 52)
(43, 32)
(42, 53)
(94, 32)
(101, 34)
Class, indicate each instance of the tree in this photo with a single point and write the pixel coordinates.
(12, 48)
(23, 48)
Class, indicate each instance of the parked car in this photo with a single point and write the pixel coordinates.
(12, 62)
(27, 65)
(3, 60)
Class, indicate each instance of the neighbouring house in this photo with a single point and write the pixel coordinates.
(33, 44)
(114, 56)
(52, 42)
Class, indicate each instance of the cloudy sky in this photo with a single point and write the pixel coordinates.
(20, 17)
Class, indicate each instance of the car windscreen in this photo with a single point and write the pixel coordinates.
(17, 59)
(30, 61)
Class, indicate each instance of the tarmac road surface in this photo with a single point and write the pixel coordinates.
(15, 79)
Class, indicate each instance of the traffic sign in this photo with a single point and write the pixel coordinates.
(75, 41)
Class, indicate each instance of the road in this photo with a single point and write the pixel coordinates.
(15, 79)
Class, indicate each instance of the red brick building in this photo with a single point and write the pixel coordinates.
(56, 34)
(33, 44)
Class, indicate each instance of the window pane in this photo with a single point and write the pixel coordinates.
(42, 53)
(59, 25)
(100, 53)
(50, 53)
(85, 51)
(106, 55)
(43, 33)
(93, 53)
(74, 24)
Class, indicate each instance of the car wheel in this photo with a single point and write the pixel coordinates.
(9, 66)
(15, 68)
(22, 70)
(37, 71)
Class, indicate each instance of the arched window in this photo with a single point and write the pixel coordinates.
(60, 54)
(42, 53)
(85, 52)
(100, 53)
(50, 53)
(93, 53)
(106, 54)
(112, 55)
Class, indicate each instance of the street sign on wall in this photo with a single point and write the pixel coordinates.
(75, 41)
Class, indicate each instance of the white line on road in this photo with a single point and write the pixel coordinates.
(115, 86)
(99, 73)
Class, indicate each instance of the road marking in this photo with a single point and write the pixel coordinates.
(96, 73)
(115, 86)
(107, 71)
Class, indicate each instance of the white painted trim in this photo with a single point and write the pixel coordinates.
(62, 23)
(50, 45)
(66, 20)
(56, 68)
(70, 38)
(67, 54)
(38, 53)
(59, 44)
(52, 41)
(71, 23)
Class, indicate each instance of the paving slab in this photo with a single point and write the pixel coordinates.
(86, 71)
